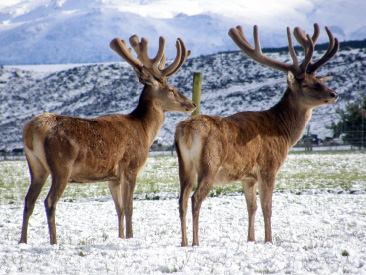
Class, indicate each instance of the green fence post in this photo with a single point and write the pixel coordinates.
(196, 97)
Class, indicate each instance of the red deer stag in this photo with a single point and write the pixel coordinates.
(110, 148)
(251, 146)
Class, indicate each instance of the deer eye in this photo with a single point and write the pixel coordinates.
(305, 85)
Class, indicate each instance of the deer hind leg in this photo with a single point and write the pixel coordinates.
(39, 176)
(266, 186)
(250, 189)
(59, 182)
(186, 178)
(116, 190)
(204, 187)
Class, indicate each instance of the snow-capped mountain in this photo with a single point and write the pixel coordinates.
(68, 31)
(231, 83)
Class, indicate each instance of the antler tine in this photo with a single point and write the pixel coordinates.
(171, 68)
(141, 50)
(301, 36)
(291, 50)
(237, 35)
(332, 50)
(308, 45)
(183, 57)
(162, 63)
(308, 55)
(156, 65)
(120, 47)
(159, 56)
(316, 33)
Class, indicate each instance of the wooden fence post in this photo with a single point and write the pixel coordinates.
(196, 97)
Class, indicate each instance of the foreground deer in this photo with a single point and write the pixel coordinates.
(110, 148)
(251, 146)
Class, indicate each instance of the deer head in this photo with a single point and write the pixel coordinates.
(301, 77)
(151, 72)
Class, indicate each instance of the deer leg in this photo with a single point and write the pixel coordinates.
(57, 188)
(250, 188)
(38, 179)
(204, 187)
(128, 187)
(116, 190)
(186, 183)
(265, 194)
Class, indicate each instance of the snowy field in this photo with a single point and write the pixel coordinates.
(318, 224)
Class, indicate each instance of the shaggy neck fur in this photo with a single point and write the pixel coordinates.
(150, 113)
(292, 116)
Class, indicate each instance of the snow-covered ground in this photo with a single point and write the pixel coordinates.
(313, 234)
(318, 225)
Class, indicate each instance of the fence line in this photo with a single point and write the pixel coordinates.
(309, 142)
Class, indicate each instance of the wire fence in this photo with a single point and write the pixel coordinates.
(351, 140)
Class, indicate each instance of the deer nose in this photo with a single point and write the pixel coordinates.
(194, 104)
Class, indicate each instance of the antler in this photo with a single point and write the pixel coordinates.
(120, 47)
(256, 54)
(302, 38)
(332, 50)
(156, 65)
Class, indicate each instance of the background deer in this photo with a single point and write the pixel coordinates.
(251, 146)
(110, 148)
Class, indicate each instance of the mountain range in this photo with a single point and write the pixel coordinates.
(68, 31)
(231, 83)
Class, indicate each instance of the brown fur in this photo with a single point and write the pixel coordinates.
(250, 147)
(110, 148)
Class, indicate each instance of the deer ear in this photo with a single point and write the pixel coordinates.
(290, 79)
(324, 78)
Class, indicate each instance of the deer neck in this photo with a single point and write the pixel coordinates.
(149, 113)
(292, 116)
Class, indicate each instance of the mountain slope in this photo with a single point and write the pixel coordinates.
(231, 83)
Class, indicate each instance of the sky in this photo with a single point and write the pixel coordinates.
(266, 13)
(32, 27)
(251, 10)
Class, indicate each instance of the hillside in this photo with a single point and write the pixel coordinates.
(231, 83)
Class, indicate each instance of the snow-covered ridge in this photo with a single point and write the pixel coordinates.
(231, 83)
(68, 31)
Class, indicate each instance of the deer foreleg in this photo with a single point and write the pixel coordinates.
(265, 193)
(250, 188)
(127, 192)
(116, 191)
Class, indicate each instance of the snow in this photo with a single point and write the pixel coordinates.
(310, 234)
(315, 231)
